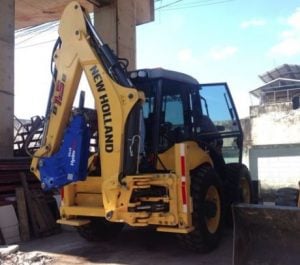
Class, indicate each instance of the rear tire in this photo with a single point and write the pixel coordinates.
(207, 211)
(237, 188)
(99, 229)
(287, 197)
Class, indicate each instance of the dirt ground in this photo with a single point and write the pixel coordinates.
(132, 247)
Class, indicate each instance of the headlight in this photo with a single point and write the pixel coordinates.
(133, 75)
(142, 74)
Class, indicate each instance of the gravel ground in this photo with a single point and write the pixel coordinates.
(132, 247)
(31, 258)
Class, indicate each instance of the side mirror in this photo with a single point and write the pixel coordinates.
(296, 102)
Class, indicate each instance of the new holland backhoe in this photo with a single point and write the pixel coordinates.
(159, 150)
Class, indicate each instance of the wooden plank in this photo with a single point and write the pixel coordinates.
(22, 214)
(13, 177)
(40, 219)
(11, 188)
(2, 240)
(43, 213)
(30, 205)
(3, 203)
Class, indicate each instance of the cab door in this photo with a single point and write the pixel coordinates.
(218, 119)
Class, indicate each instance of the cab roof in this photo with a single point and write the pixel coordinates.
(160, 73)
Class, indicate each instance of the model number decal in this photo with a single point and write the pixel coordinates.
(106, 109)
(60, 86)
(59, 93)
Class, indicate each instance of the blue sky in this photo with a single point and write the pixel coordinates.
(233, 41)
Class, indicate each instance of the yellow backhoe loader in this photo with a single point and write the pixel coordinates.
(159, 150)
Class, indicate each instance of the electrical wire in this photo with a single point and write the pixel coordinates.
(36, 44)
(24, 31)
(170, 4)
(36, 29)
(35, 33)
(194, 4)
(30, 33)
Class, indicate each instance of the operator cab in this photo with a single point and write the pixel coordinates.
(177, 108)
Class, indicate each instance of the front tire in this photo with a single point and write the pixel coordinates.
(207, 211)
(99, 229)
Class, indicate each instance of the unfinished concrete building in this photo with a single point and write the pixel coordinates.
(272, 133)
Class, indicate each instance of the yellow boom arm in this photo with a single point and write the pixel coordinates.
(113, 101)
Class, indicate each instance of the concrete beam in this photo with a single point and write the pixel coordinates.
(7, 26)
(34, 12)
(144, 10)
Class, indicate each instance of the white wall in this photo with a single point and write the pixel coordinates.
(274, 124)
(274, 139)
(276, 172)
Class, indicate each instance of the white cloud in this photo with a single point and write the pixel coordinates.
(255, 22)
(289, 44)
(223, 53)
(184, 55)
(287, 47)
(294, 19)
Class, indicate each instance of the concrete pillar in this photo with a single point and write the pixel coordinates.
(115, 23)
(7, 26)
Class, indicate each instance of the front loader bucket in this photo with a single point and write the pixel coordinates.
(266, 235)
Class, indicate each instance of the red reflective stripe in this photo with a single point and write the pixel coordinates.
(62, 193)
(183, 184)
(183, 192)
(182, 160)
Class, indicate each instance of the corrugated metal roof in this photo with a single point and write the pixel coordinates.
(290, 71)
(277, 84)
(286, 76)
